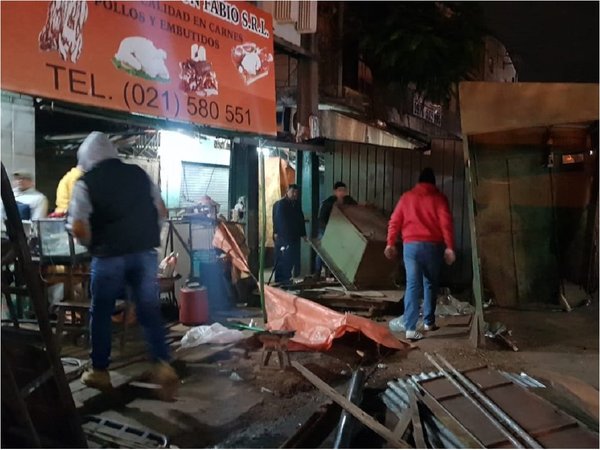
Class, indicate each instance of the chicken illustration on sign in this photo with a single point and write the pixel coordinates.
(251, 61)
(139, 57)
(63, 29)
(197, 75)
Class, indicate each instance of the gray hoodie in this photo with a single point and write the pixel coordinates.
(95, 149)
(92, 151)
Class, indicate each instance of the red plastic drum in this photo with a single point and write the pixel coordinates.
(193, 306)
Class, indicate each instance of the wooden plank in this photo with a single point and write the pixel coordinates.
(14, 228)
(200, 353)
(416, 419)
(358, 413)
(477, 337)
(403, 423)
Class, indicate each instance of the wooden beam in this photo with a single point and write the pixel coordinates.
(477, 338)
(403, 424)
(293, 50)
(16, 234)
(416, 419)
(358, 413)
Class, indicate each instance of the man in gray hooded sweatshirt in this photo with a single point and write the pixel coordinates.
(115, 211)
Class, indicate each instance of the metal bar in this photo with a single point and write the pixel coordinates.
(484, 411)
(346, 424)
(495, 409)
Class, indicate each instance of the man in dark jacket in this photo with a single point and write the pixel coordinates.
(288, 230)
(340, 197)
(115, 211)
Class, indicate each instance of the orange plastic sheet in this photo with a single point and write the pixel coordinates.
(316, 326)
(224, 241)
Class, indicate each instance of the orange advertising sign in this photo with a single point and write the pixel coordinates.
(206, 61)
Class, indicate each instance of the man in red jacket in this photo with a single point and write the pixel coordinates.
(423, 219)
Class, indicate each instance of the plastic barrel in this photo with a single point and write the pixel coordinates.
(193, 306)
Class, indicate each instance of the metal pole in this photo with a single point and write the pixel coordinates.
(492, 406)
(484, 411)
(345, 427)
(263, 239)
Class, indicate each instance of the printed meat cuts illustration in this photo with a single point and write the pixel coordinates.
(63, 29)
(197, 75)
(251, 61)
(139, 57)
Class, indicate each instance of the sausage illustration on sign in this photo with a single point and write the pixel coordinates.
(139, 57)
(63, 29)
(251, 61)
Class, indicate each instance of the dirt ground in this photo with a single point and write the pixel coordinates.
(229, 402)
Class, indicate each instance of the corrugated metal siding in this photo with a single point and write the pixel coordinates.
(380, 175)
(205, 179)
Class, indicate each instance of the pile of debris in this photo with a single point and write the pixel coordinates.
(448, 408)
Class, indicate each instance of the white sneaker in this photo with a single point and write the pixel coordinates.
(431, 327)
(414, 335)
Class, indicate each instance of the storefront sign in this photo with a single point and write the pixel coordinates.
(208, 62)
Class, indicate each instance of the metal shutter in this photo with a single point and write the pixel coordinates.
(205, 179)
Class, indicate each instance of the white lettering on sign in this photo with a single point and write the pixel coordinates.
(231, 13)
(193, 3)
(223, 10)
(252, 23)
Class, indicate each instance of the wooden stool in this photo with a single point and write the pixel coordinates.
(275, 341)
(83, 310)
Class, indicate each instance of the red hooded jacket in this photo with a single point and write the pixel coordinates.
(422, 215)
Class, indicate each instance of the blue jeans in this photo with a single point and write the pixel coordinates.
(287, 261)
(423, 262)
(110, 276)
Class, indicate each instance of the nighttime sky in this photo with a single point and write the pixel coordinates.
(551, 41)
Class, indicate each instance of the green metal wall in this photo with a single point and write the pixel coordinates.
(531, 222)
(380, 175)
